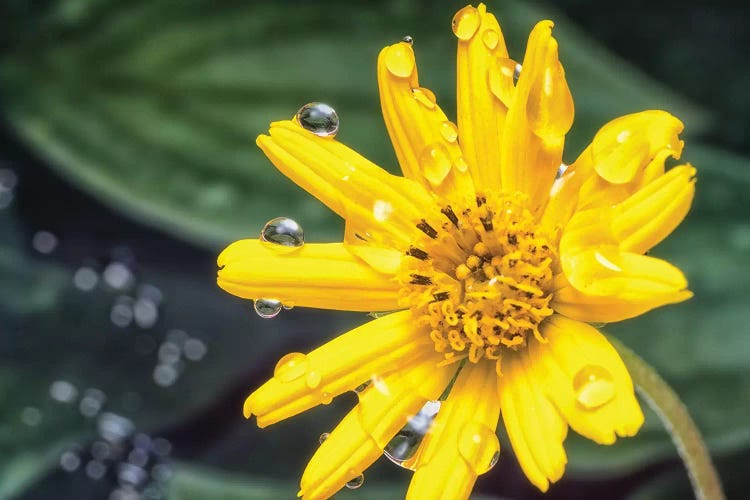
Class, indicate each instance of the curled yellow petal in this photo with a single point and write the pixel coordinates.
(426, 142)
(481, 112)
(325, 276)
(586, 379)
(461, 443)
(383, 409)
(301, 381)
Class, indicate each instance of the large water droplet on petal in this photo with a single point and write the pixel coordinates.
(461, 164)
(594, 386)
(479, 446)
(283, 233)
(424, 96)
(291, 367)
(466, 22)
(435, 164)
(355, 483)
(399, 60)
(404, 447)
(319, 118)
(449, 131)
(267, 308)
(490, 38)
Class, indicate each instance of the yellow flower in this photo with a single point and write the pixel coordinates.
(495, 256)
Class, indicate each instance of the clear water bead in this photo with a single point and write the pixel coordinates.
(319, 118)
(403, 448)
(517, 73)
(283, 232)
(356, 482)
(267, 308)
(408, 39)
(594, 386)
(323, 437)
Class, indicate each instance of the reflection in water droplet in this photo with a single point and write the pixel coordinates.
(466, 22)
(291, 367)
(561, 170)
(517, 73)
(70, 461)
(44, 242)
(449, 131)
(319, 118)
(382, 210)
(435, 164)
(323, 437)
(408, 39)
(425, 97)
(313, 379)
(403, 448)
(479, 446)
(282, 233)
(490, 38)
(356, 482)
(399, 60)
(594, 386)
(267, 308)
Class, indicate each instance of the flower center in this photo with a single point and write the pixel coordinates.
(482, 280)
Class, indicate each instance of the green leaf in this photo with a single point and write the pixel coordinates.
(153, 106)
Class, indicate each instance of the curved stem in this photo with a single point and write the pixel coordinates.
(680, 426)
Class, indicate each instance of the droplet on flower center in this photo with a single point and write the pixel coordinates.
(594, 386)
(319, 118)
(479, 446)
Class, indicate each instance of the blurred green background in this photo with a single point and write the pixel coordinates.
(127, 160)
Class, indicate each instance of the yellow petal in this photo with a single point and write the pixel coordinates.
(383, 409)
(481, 113)
(625, 145)
(385, 205)
(585, 378)
(462, 442)
(538, 119)
(426, 142)
(535, 427)
(325, 276)
(301, 382)
(652, 213)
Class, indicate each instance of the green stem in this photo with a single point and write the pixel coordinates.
(681, 428)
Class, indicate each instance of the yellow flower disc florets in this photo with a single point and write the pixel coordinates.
(482, 280)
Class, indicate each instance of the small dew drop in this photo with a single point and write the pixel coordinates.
(323, 437)
(460, 164)
(291, 367)
(399, 60)
(449, 131)
(561, 171)
(282, 233)
(479, 446)
(267, 308)
(425, 97)
(403, 449)
(355, 483)
(490, 38)
(466, 23)
(326, 397)
(594, 386)
(319, 118)
(517, 73)
(408, 39)
(313, 379)
(435, 164)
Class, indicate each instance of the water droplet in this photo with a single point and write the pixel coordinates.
(44, 242)
(267, 308)
(594, 386)
(291, 367)
(435, 164)
(355, 483)
(517, 73)
(461, 164)
(490, 39)
(70, 461)
(326, 397)
(319, 118)
(466, 22)
(479, 446)
(313, 379)
(382, 210)
(283, 232)
(85, 279)
(404, 447)
(424, 96)
(561, 170)
(323, 437)
(399, 60)
(449, 131)
(63, 391)
(408, 39)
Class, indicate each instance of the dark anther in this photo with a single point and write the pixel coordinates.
(427, 229)
(440, 296)
(512, 263)
(512, 239)
(417, 253)
(360, 237)
(545, 248)
(418, 279)
(528, 295)
(448, 212)
(481, 200)
(487, 222)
